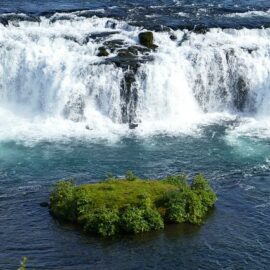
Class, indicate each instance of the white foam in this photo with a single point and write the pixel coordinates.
(255, 13)
(52, 85)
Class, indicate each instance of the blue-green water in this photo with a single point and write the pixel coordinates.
(235, 236)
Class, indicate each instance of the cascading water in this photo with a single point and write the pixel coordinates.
(52, 82)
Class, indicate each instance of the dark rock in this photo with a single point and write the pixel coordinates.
(147, 39)
(132, 125)
(129, 97)
(98, 36)
(241, 96)
(44, 204)
(184, 38)
(115, 44)
(173, 37)
(110, 24)
(88, 128)
(138, 49)
(200, 29)
(102, 52)
(4, 21)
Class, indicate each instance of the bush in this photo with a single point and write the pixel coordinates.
(175, 204)
(102, 221)
(177, 180)
(63, 203)
(195, 209)
(23, 264)
(133, 220)
(202, 188)
(130, 176)
(154, 219)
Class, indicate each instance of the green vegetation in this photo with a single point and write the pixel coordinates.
(132, 205)
(23, 264)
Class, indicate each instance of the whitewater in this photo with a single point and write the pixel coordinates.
(54, 86)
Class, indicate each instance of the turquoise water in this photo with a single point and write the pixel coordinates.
(235, 236)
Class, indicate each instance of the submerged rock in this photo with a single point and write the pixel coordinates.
(147, 39)
(132, 125)
(102, 52)
(44, 204)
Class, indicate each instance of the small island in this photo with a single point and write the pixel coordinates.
(132, 205)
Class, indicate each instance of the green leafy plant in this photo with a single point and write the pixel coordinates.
(23, 264)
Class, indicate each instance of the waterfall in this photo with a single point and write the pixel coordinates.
(52, 83)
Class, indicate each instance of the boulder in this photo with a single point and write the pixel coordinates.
(132, 125)
(147, 39)
(102, 52)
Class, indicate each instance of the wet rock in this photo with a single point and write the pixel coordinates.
(102, 52)
(125, 53)
(200, 29)
(110, 24)
(4, 21)
(241, 95)
(173, 37)
(184, 38)
(115, 44)
(147, 39)
(132, 125)
(44, 204)
(129, 97)
(138, 49)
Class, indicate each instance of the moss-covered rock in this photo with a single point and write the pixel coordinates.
(132, 205)
(147, 39)
(102, 51)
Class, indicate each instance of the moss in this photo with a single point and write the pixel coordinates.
(132, 205)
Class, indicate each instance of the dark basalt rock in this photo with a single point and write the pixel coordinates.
(110, 24)
(184, 38)
(241, 96)
(4, 21)
(21, 17)
(102, 52)
(147, 39)
(200, 29)
(115, 44)
(129, 97)
(44, 204)
(138, 49)
(132, 125)
(173, 37)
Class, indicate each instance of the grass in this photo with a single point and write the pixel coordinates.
(132, 205)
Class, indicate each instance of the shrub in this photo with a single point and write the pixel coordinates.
(63, 203)
(23, 264)
(154, 219)
(195, 209)
(102, 221)
(130, 176)
(175, 204)
(177, 180)
(133, 220)
(202, 188)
